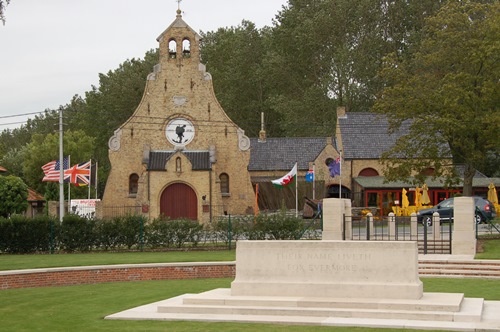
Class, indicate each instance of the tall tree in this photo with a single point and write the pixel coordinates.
(45, 149)
(449, 92)
(112, 103)
(326, 53)
(13, 195)
(3, 4)
(233, 57)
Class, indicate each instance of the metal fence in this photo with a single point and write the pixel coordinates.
(434, 239)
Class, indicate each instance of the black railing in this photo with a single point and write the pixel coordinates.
(434, 239)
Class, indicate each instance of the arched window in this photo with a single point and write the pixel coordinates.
(172, 48)
(186, 48)
(224, 184)
(133, 184)
(178, 165)
(368, 172)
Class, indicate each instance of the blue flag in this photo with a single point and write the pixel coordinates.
(334, 167)
(310, 176)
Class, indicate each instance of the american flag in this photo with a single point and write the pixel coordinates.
(51, 170)
(79, 174)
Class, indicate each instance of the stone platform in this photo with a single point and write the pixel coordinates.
(328, 283)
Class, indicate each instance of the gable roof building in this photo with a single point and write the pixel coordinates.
(180, 156)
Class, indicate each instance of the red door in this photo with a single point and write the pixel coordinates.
(179, 201)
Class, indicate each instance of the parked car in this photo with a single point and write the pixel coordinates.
(485, 211)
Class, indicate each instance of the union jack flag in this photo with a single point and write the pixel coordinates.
(79, 174)
(51, 170)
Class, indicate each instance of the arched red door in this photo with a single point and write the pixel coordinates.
(178, 201)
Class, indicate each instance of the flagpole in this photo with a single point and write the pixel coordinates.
(90, 179)
(61, 171)
(296, 194)
(314, 181)
(340, 173)
(96, 169)
(69, 186)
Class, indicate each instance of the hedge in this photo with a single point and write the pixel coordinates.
(21, 235)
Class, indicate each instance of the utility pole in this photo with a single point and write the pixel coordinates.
(61, 167)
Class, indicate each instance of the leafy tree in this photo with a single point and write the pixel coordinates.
(13, 195)
(13, 161)
(449, 92)
(44, 149)
(108, 106)
(233, 57)
(327, 53)
(3, 4)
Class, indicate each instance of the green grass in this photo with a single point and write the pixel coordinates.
(82, 308)
(16, 262)
(491, 250)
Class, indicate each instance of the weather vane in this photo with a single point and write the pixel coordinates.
(178, 4)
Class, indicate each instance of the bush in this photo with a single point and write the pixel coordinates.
(186, 230)
(159, 233)
(77, 233)
(107, 233)
(131, 231)
(280, 226)
(21, 235)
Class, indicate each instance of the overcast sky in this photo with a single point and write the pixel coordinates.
(51, 50)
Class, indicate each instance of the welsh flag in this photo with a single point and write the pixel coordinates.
(291, 177)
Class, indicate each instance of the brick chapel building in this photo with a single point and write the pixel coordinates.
(180, 155)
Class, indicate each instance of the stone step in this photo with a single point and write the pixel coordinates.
(468, 310)
(428, 302)
(479, 269)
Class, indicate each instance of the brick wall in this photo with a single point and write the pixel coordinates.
(102, 274)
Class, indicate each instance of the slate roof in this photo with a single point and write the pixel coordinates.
(364, 135)
(377, 182)
(200, 160)
(281, 153)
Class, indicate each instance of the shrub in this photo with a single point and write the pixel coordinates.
(22, 235)
(107, 233)
(131, 230)
(159, 233)
(77, 233)
(186, 230)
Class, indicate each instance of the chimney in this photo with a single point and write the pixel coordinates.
(262, 132)
(341, 112)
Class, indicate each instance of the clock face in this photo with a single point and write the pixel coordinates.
(179, 131)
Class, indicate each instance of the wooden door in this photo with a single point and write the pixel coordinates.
(178, 201)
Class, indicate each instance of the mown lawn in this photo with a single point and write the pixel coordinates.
(83, 308)
(17, 262)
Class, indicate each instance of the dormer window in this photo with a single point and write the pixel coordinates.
(172, 49)
(186, 48)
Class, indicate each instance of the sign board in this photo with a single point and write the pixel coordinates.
(84, 207)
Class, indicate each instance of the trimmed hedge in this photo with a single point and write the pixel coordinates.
(21, 235)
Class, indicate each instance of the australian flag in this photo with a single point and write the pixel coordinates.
(310, 176)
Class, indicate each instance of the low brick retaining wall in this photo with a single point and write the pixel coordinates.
(430, 266)
(113, 273)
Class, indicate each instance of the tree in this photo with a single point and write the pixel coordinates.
(3, 4)
(45, 149)
(233, 57)
(448, 94)
(13, 195)
(327, 53)
(113, 102)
